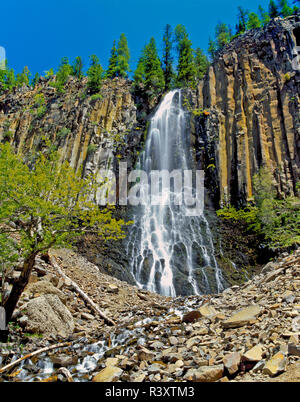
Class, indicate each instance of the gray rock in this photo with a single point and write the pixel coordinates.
(47, 315)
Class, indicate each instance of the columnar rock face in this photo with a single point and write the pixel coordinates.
(88, 131)
(250, 99)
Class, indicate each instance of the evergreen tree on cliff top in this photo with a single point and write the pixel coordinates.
(168, 57)
(95, 75)
(154, 76)
(112, 70)
(123, 57)
(186, 76)
(273, 9)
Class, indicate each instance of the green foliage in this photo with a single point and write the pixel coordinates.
(201, 64)
(96, 97)
(49, 73)
(222, 37)
(123, 57)
(253, 21)
(23, 78)
(78, 68)
(149, 74)
(7, 78)
(63, 73)
(63, 133)
(241, 26)
(277, 220)
(112, 71)
(46, 206)
(92, 148)
(273, 9)
(39, 106)
(35, 80)
(167, 59)
(264, 16)
(95, 75)
(186, 64)
(154, 76)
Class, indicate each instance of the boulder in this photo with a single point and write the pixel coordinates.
(207, 311)
(276, 365)
(205, 374)
(232, 362)
(253, 355)
(109, 374)
(47, 315)
(242, 317)
(44, 287)
(192, 316)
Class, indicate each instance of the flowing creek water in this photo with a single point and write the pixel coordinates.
(90, 355)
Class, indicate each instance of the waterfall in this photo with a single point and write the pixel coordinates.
(171, 253)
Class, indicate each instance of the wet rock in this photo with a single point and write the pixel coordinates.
(109, 374)
(64, 361)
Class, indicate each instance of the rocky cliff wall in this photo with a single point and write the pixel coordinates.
(251, 98)
(88, 131)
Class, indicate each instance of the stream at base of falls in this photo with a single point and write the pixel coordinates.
(90, 355)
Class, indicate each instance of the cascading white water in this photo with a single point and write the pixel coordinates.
(171, 253)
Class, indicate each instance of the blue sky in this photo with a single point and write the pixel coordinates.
(39, 33)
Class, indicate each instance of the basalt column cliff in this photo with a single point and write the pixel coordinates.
(251, 95)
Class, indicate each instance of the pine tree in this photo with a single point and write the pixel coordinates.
(78, 67)
(186, 76)
(242, 21)
(123, 57)
(112, 70)
(168, 57)
(154, 76)
(223, 35)
(253, 21)
(285, 9)
(23, 78)
(139, 74)
(212, 48)
(35, 80)
(63, 73)
(273, 9)
(264, 16)
(201, 64)
(95, 75)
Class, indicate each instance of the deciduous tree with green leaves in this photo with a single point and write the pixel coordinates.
(46, 206)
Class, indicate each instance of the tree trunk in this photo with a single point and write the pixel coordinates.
(19, 286)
